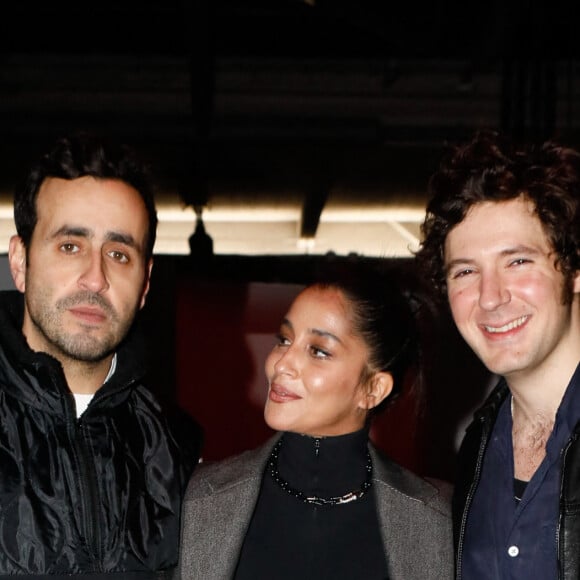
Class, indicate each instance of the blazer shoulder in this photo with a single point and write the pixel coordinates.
(219, 476)
(433, 493)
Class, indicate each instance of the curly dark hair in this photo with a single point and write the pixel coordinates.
(491, 168)
(77, 156)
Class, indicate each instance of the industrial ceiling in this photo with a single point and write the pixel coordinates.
(290, 127)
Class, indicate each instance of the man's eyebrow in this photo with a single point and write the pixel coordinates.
(82, 232)
(76, 231)
(509, 251)
(521, 249)
(122, 238)
(457, 262)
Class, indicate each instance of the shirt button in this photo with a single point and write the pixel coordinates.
(513, 551)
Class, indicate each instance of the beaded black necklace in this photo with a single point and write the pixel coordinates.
(313, 499)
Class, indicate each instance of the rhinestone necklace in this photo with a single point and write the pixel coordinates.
(314, 499)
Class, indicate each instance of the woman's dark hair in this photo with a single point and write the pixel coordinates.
(382, 314)
(78, 156)
(490, 168)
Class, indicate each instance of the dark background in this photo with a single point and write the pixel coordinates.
(245, 100)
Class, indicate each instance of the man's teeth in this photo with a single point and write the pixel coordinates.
(509, 326)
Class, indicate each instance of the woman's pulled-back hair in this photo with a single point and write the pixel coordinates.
(382, 315)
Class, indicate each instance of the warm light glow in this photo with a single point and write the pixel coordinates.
(306, 245)
(388, 231)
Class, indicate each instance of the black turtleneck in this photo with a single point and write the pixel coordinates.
(289, 539)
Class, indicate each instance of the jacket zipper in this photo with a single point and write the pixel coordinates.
(87, 486)
(469, 497)
(558, 527)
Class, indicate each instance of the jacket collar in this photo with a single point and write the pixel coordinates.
(37, 379)
(491, 405)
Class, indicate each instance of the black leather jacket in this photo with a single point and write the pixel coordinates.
(99, 495)
(470, 459)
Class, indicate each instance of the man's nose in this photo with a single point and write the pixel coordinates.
(94, 277)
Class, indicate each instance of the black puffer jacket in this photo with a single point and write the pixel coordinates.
(99, 495)
(469, 470)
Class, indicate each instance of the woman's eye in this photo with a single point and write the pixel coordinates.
(282, 341)
(319, 352)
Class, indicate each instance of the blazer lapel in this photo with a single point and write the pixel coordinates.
(224, 511)
(402, 517)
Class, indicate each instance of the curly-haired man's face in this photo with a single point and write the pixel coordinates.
(506, 294)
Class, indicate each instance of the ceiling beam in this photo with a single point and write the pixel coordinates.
(314, 202)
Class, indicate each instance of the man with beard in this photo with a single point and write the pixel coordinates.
(92, 471)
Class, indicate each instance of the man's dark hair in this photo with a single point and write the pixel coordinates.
(491, 168)
(81, 155)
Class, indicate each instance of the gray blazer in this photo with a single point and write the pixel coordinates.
(414, 517)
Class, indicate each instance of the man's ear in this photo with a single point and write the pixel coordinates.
(146, 283)
(577, 283)
(17, 261)
(378, 389)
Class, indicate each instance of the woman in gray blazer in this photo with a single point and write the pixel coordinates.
(319, 501)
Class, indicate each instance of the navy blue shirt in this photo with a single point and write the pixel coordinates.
(510, 540)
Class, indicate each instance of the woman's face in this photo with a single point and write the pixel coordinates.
(314, 370)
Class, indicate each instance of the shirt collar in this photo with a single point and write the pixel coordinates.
(111, 368)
